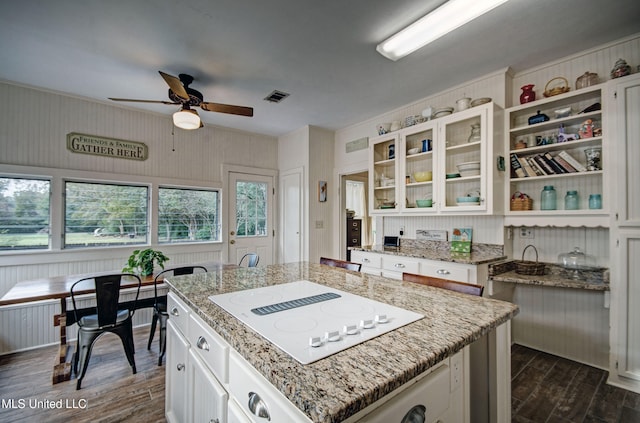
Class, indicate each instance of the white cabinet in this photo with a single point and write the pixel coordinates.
(393, 266)
(176, 375)
(625, 236)
(537, 156)
(438, 147)
(206, 396)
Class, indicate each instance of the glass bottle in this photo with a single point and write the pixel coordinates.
(548, 198)
(595, 201)
(571, 200)
(475, 133)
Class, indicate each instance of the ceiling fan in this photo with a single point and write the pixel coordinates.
(181, 94)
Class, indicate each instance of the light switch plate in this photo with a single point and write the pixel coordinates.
(432, 234)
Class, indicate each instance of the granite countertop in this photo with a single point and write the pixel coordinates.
(440, 251)
(595, 279)
(332, 389)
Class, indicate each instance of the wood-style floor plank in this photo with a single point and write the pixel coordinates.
(111, 391)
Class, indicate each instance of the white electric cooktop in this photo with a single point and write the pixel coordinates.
(309, 321)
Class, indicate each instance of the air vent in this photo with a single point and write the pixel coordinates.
(276, 96)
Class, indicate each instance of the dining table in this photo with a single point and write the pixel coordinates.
(59, 288)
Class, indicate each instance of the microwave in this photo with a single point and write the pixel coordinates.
(392, 241)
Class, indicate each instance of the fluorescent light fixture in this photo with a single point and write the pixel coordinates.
(186, 119)
(451, 15)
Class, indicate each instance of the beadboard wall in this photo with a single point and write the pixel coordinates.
(33, 129)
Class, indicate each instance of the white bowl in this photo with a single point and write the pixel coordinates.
(414, 151)
(469, 168)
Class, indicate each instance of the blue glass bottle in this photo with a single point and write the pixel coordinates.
(571, 200)
(548, 198)
(595, 201)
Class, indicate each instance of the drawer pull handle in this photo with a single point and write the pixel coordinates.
(175, 312)
(180, 367)
(366, 260)
(399, 265)
(218, 421)
(443, 272)
(202, 343)
(257, 406)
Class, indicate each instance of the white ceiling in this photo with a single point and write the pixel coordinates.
(321, 52)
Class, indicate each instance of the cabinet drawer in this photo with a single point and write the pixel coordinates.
(446, 271)
(178, 312)
(367, 260)
(401, 265)
(254, 393)
(210, 347)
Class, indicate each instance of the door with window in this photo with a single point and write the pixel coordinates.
(251, 217)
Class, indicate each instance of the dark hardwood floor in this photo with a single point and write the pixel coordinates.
(111, 391)
(545, 388)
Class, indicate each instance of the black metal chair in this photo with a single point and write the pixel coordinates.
(160, 313)
(252, 260)
(108, 317)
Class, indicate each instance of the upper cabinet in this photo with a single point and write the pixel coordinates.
(558, 142)
(449, 165)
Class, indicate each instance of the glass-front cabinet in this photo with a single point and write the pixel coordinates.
(450, 165)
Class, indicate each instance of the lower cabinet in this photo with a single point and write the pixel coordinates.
(393, 266)
(176, 375)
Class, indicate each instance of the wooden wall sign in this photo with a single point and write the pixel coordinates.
(108, 147)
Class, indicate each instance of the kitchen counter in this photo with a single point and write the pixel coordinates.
(440, 251)
(334, 388)
(554, 276)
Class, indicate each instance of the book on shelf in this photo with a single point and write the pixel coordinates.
(526, 166)
(573, 162)
(516, 168)
(543, 163)
(566, 166)
(539, 171)
(556, 167)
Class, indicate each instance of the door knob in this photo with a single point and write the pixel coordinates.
(232, 233)
(233, 241)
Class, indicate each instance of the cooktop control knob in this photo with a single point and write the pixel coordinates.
(367, 324)
(351, 330)
(381, 318)
(315, 341)
(333, 336)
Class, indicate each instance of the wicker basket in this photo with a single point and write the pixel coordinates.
(521, 202)
(524, 267)
(556, 90)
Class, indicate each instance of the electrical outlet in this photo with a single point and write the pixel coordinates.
(401, 230)
(526, 233)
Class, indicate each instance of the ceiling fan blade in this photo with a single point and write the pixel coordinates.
(143, 101)
(175, 84)
(227, 108)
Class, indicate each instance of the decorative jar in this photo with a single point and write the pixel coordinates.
(595, 201)
(527, 95)
(475, 133)
(593, 158)
(571, 200)
(548, 198)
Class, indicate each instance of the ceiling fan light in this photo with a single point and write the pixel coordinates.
(186, 119)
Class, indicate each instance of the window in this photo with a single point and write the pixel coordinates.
(251, 209)
(105, 214)
(24, 214)
(188, 215)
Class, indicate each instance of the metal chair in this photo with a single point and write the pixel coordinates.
(160, 306)
(341, 263)
(465, 288)
(252, 259)
(108, 317)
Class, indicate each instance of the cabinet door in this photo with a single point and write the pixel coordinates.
(419, 168)
(208, 398)
(628, 133)
(629, 309)
(384, 175)
(457, 148)
(235, 413)
(176, 375)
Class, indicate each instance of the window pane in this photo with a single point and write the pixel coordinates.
(188, 215)
(24, 214)
(251, 209)
(105, 214)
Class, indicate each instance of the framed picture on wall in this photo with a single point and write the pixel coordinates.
(322, 191)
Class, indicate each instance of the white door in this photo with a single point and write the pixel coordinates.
(251, 220)
(291, 210)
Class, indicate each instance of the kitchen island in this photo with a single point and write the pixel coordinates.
(339, 387)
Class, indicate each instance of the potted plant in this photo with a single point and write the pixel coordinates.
(142, 262)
